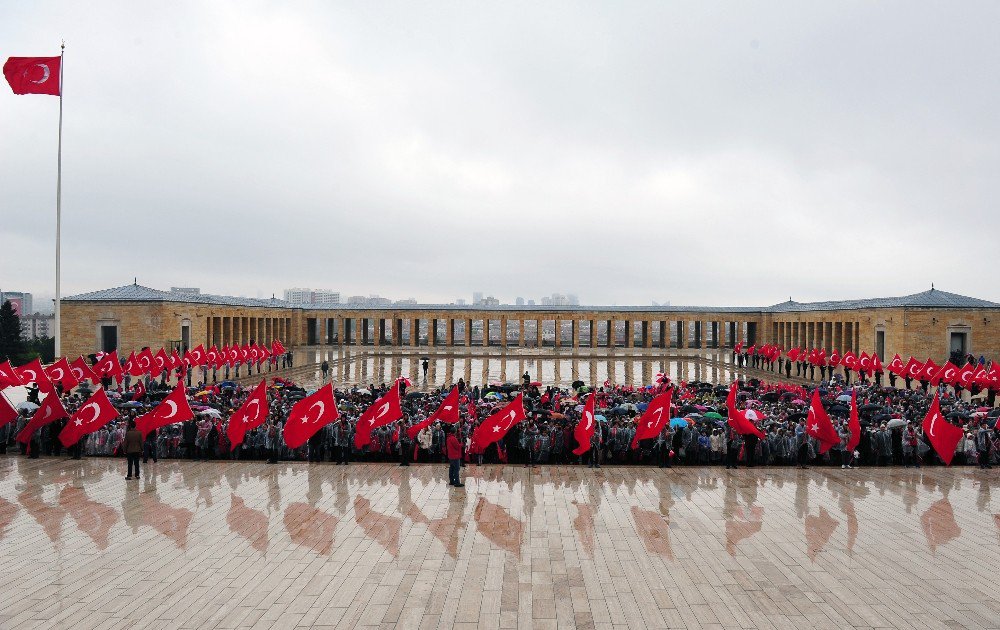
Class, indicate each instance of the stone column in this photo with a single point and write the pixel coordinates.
(432, 332)
(468, 336)
(414, 331)
(611, 333)
(703, 335)
(538, 332)
(449, 332)
(558, 335)
(574, 327)
(593, 335)
(520, 332)
(503, 331)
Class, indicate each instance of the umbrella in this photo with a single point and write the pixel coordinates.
(957, 414)
(844, 398)
(536, 383)
(753, 414)
(576, 384)
(788, 395)
(895, 422)
(798, 401)
(992, 422)
(869, 407)
(364, 392)
(27, 406)
(557, 416)
(986, 409)
(600, 418)
(227, 384)
(721, 389)
(678, 422)
(694, 415)
(770, 397)
(214, 413)
(714, 415)
(838, 409)
(993, 413)
(795, 417)
(578, 408)
(415, 395)
(493, 395)
(642, 406)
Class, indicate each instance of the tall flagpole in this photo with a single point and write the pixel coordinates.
(58, 349)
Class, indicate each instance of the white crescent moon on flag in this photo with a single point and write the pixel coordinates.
(57, 374)
(77, 373)
(45, 73)
(510, 420)
(97, 412)
(173, 408)
(590, 420)
(322, 408)
(32, 377)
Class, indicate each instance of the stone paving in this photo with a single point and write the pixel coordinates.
(244, 544)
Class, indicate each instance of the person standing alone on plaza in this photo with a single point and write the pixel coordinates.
(454, 452)
(133, 448)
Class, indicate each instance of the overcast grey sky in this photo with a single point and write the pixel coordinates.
(700, 152)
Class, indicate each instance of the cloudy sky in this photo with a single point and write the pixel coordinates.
(701, 153)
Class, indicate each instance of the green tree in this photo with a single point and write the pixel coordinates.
(11, 344)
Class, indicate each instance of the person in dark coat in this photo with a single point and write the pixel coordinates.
(133, 448)
(453, 450)
(190, 433)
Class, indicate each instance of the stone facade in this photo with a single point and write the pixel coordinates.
(923, 332)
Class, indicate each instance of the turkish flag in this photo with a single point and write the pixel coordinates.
(132, 367)
(854, 423)
(213, 357)
(383, 411)
(171, 410)
(7, 411)
(981, 377)
(196, 357)
(865, 363)
(496, 426)
(834, 359)
(793, 354)
(818, 425)
(447, 411)
(33, 75)
(965, 374)
(109, 365)
(947, 374)
(60, 372)
(234, 355)
(161, 362)
(33, 373)
(876, 363)
(82, 371)
(942, 435)
(912, 368)
(139, 390)
(850, 361)
(277, 348)
(264, 354)
(93, 415)
(176, 361)
(145, 361)
(245, 356)
(737, 419)
(896, 366)
(928, 370)
(738, 348)
(252, 413)
(586, 426)
(8, 376)
(50, 411)
(993, 377)
(656, 416)
(309, 415)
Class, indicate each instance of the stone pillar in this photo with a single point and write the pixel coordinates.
(503, 331)
(520, 332)
(702, 334)
(558, 335)
(449, 332)
(468, 336)
(414, 331)
(432, 332)
(664, 334)
(682, 334)
(611, 333)
(593, 335)
(574, 326)
(486, 332)
(538, 332)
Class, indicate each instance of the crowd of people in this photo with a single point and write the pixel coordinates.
(698, 434)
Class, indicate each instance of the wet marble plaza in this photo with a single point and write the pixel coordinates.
(244, 544)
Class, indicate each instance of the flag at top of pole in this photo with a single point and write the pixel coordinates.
(34, 75)
(43, 75)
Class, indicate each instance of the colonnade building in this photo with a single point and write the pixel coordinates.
(930, 324)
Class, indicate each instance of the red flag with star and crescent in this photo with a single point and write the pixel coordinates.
(8, 376)
(309, 415)
(82, 371)
(738, 420)
(277, 348)
(656, 416)
(896, 366)
(109, 365)
(496, 426)
(161, 362)
(447, 411)
(942, 435)
(912, 368)
(849, 361)
(585, 428)
(7, 411)
(876, 363)
(928, 370)
(33, 75)
(93, 415)
(50, 410)
(251, 414)
(60, 372)
(172, 409)
(33, 373)
(383, 411)
(964, 377)
(818, 425)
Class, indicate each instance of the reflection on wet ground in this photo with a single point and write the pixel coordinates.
(552, 367)
(241, 544)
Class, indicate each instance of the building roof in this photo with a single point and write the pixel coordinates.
(139, 293)
(933, 298)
